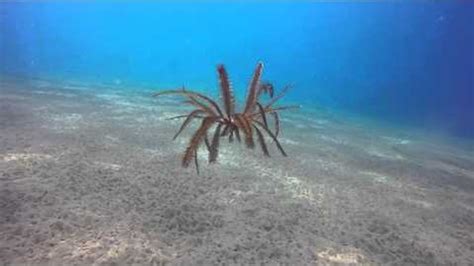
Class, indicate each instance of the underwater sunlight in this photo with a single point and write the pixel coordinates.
(237, 133)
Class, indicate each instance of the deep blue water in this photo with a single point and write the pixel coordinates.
(408, 63)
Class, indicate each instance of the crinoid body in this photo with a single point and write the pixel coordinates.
(225, 121)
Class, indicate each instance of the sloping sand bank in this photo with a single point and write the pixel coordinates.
(89, 175)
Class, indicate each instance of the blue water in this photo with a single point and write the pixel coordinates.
(406, 63)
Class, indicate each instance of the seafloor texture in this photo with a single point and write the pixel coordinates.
(89, 175)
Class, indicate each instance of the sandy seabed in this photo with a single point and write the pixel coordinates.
(89, 175)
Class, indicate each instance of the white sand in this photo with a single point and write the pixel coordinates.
(95, 179)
